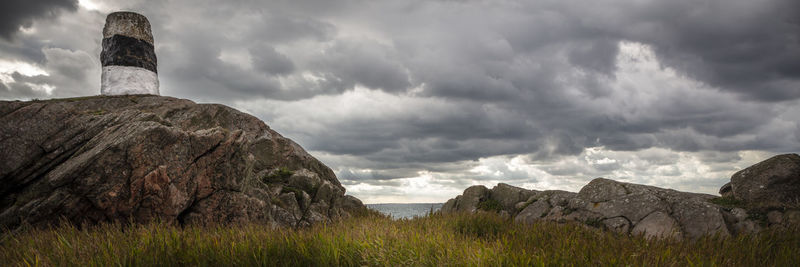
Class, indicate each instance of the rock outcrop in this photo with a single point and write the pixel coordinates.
(764, 195)
(142, 158)
(773, 183)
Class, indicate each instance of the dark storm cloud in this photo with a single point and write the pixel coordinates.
(398, 87)
(749, 47)
(266, 59)
(21, 13)
(365, 63)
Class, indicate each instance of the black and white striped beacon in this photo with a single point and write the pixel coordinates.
(128, 57)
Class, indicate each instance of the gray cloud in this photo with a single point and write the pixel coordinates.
(21, 13)
(388, 90)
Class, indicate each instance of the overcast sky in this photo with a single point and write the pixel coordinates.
(414, 100)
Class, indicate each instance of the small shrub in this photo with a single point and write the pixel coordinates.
(758, 216)
(728, 202)
(490, 205)
(568, 210)
(277, 175)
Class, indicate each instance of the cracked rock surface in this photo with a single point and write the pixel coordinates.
(762, 196)
(141, 158)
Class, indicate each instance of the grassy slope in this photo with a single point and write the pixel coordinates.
(482, 239)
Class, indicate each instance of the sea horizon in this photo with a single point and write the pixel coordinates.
(405, 210)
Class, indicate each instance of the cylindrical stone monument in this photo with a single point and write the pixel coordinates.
(128, 57)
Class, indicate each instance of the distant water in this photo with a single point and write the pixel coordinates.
(407, 211)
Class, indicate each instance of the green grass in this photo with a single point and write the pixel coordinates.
(482, 239)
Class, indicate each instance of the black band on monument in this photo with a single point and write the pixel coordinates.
(120, 50)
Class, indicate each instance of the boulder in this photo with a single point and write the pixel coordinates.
(617, 224)
(141, 157)
(467, 202)
(658, 225)
(772, 183)
(508, 195)
(767, 194)
(791, 218)
(533, 212)
(613, 199)
(699, 218)
(774, 217)
(725, 190)
(695, 215)
(617, 206)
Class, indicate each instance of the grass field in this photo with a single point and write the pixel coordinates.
(437, 240)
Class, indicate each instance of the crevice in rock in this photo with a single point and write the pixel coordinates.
(206, 153)
(630, 224)
(185, 212)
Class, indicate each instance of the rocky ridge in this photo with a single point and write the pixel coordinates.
(142, 158)
(758, 197)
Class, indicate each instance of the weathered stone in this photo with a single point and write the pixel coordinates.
(558, 214)
(305, 180)
(520, 205)
(473, 195)
(601, 190)
(725, 190)
(557, 197)
(533, 212)
(351, 203)
(612, 199)
(508, 195)
(326, 193)
(632, 207)
(617, 224)
(505, 215)
(739, 213)
(657, 225)
(698, 219)
(773, 183)
(139, 158)
(746, 227)
(792, 218)
(774, 217)
(450, 205)
(467, 202)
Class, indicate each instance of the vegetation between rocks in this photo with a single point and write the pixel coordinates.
(482, 239)
(727, 201)
(490, 205)
(278, 175)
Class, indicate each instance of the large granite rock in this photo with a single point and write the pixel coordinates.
(467, 202)
(139, 158)
(773, 183)
(508, 196)
(657, 212)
